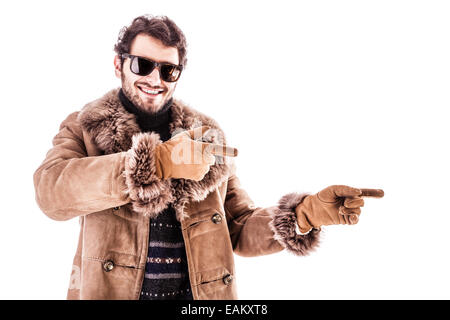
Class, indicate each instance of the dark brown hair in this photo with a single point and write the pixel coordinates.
(159, 27)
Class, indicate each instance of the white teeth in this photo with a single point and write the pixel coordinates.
(150, 91)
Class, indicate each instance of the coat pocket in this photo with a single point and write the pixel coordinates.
(209, 220)
(213, 280)
(108, 235)
(110, 277)
(125, 212)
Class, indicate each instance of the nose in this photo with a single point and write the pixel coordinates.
(153, 78)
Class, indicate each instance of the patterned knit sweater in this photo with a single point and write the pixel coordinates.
(166, 272)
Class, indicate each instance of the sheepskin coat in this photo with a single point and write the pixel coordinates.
(101, 170)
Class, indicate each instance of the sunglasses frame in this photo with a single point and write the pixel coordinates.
(158, 65)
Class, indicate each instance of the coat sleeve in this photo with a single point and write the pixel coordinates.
(70, 183)
(259, 231)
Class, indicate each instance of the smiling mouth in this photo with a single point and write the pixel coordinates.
(151, 91)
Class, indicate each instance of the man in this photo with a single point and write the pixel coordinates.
(152, 181)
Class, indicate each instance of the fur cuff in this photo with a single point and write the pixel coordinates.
(284, 225)
(149, 194)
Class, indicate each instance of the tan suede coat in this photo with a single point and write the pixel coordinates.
(101, 169)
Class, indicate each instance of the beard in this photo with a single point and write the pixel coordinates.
(130, 91)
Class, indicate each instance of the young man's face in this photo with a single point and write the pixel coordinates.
(134, 85)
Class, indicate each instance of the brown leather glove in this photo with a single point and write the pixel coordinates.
(333, 205)
(184, 157)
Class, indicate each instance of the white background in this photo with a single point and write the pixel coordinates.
(312, 93)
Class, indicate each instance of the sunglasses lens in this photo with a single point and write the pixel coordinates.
(141, 67)
(170, 73)
(144, 67)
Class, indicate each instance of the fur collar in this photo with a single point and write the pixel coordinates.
(112, 127)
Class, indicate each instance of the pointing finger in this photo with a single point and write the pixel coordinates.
(346, 191)
(219, 150)
(373, 193)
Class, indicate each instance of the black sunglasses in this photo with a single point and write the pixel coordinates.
(143, 67)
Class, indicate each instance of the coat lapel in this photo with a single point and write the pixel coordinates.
(112, 127)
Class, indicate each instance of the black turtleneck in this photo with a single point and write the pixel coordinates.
(156, 122)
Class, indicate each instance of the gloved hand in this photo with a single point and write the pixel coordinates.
(184, 157)
(333, 205)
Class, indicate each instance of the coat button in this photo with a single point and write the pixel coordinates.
(228, 279)
(216, 218)
(108, 265)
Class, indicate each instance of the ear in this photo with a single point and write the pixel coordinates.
(117, 66)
